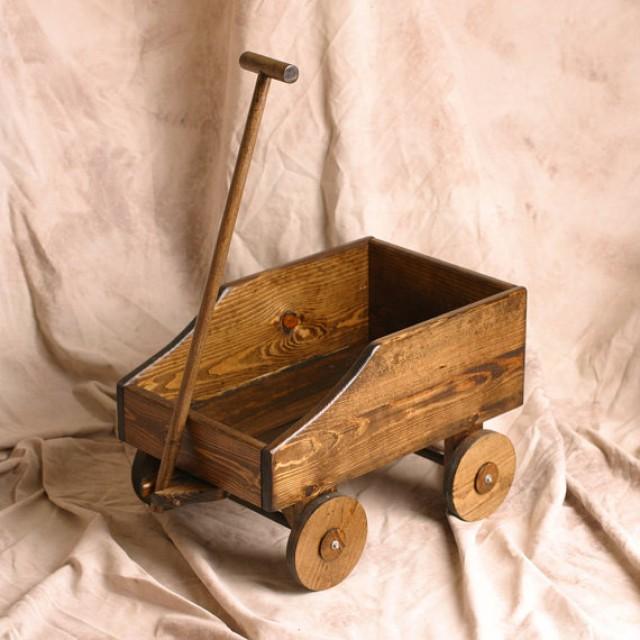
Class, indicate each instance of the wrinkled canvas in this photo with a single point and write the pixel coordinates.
(500, 136)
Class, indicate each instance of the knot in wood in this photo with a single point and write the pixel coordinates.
(289, 320)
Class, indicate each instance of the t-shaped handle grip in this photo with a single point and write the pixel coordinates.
(271, 68)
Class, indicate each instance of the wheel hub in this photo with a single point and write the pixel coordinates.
(332, 544)
(486, 478)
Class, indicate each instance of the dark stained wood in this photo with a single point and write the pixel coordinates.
(246, 339)
(211, 451)
(184, 489)
(293, 513)
(274, 516)
(179, 494)
(430, 453)
(333, 544)
(263, 405)
(329, 519)
(482, 452)
(487, 476)
(144, 472)
(414, 387)
(214, 280)
(300, 377)
(125, 380)
(454, 440)
(270, 67)
(327, 404)
(407, 288)
(269, 436)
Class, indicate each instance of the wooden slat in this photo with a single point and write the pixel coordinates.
(246, 339)
(407, 288)
(210, 451)
(264, 404)
(419, 385)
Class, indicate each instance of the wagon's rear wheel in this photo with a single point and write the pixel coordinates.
(478, 475)
(327, 541)
(144, 471)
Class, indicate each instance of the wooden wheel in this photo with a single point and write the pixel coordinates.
(144, 471)
(479, 474)
(327, 541)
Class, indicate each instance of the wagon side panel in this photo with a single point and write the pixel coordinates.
(327, 295)
(416, 386)
(211, 451)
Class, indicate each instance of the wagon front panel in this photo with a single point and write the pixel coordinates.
(211, 451)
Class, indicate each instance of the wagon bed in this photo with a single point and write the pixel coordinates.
(331, 366)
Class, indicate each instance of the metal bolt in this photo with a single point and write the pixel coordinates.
(146, 488)
(486, 478)
(335, 545)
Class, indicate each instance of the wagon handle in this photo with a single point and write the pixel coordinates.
(270, 67)
(266, 68)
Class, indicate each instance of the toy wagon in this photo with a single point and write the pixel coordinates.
(304, 376)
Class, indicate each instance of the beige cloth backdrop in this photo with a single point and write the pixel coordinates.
(503, 136)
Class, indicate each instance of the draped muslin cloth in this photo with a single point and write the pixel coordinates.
(500, 136)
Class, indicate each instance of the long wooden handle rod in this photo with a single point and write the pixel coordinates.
(266, 68)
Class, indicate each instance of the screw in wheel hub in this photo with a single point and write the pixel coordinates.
(486, 478)
(332, 544)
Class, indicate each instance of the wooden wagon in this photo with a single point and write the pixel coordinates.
(324, 369)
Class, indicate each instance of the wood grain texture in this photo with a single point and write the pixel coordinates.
(210, 451)
(294, 512)
(407, 288)
(132, 375)
(184, 489)
(214, 280)
(417, 386)
(261, 406)
(290, 366)
(276, 69)
(327, 541)
(451, 442)
(180, 494)
(246, 340)
(470, 495)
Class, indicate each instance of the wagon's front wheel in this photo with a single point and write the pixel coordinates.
(327, 541)
(478, 475)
